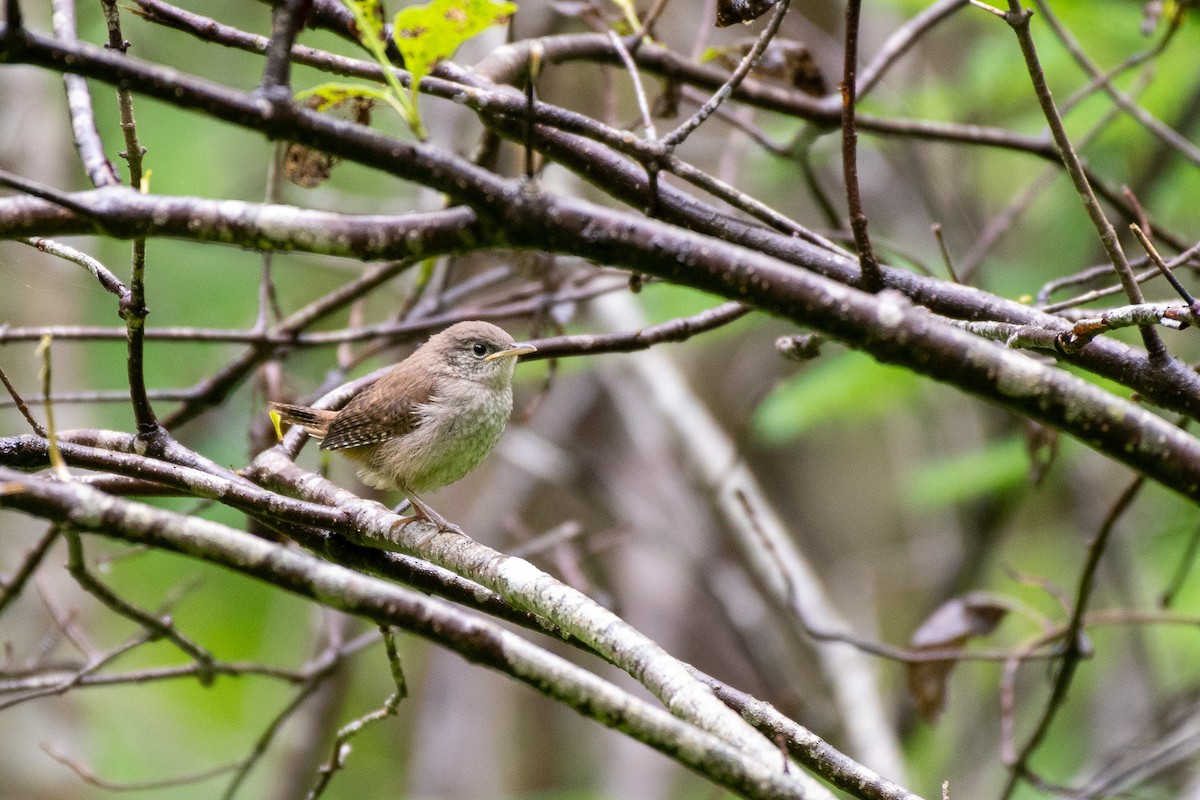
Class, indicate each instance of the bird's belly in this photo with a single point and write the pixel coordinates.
(437, 453)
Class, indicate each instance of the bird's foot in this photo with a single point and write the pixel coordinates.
(443, 524)
(423, 510)
(425, 537)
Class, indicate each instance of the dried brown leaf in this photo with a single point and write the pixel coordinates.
(731, 11)
(950, 627)
(309, 168)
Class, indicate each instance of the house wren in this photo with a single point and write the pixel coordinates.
(428, 421)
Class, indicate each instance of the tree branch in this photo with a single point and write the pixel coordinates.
(384, 603)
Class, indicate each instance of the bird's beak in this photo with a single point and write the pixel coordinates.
(518, 349)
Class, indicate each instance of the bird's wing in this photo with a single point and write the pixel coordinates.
(388, 408)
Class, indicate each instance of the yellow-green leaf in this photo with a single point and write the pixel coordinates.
(368, 15)
(330, 94)
(429, 33)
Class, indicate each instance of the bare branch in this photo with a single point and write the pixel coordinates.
(386, 603)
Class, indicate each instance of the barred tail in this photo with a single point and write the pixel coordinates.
(315, 421)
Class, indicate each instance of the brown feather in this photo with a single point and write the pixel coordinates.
(431, 418)
(388, 408)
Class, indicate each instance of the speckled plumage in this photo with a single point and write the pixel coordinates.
(430, 420)
(454, 431)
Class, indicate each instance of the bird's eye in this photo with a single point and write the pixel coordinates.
(479, 349)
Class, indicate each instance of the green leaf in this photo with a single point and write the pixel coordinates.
(430, 33)
(1001, 464)
(851, 386)
(368, 15)
(368, 18)
(331, 94)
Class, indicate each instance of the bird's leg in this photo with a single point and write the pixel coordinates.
(425, 511)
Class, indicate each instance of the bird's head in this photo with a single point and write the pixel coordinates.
(477, 351)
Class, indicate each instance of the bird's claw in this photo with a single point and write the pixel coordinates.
(441, 527)
(426, 514)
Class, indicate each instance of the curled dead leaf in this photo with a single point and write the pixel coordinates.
(731, 11)
(309, 168)
(950, 627)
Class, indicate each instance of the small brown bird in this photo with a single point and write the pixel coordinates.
(430, 420)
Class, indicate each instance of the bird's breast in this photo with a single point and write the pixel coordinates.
(458, 429)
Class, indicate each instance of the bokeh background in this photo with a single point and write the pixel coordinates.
(900, 492)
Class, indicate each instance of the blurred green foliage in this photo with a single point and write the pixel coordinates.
(998, 465)
(846, 387)
(970, 71)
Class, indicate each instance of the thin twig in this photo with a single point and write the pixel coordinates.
(102, 273)
(47, 193)
(1018, 19)
(945, 251)
(337, 759)
(56, 460)
(11, 587)
(1074, 647)
(1144, 237)
(676, 137)
(89, 777)
(133, 306)
(1139, 213)
(79, 101)
(638, 90)
(533, 71)
(268, 299)
(676, 330)
(871, 277)
(157, 628)
(21, 405)
(14, 684)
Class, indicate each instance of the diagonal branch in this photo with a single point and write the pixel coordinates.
(1018, 19)
(384, 603)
